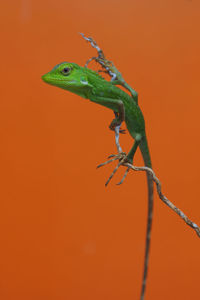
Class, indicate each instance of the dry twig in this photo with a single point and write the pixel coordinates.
(117, 78)
(108, 66)
(164, 198)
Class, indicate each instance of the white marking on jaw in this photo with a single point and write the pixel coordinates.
(114, 76)
(84, 82)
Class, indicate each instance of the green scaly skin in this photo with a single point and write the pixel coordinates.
(90, 85)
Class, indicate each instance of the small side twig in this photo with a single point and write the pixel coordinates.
(110, 69)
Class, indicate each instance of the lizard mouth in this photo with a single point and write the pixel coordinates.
(49, 79)
(52, 80)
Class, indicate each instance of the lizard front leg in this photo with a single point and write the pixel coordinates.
(118, 107)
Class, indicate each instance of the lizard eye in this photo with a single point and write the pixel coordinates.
(65, 71)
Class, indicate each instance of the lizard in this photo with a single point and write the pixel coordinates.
(90, 85)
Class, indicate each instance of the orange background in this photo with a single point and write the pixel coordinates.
(63, 234)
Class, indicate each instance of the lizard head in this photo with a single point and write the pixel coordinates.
(69, 76)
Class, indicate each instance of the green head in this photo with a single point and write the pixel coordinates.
(69, 76)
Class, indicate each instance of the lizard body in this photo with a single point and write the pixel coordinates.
(90, 85)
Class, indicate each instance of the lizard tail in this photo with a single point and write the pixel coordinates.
(147, 160)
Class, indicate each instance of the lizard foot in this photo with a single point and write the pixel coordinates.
(122, 157)
(115, 123)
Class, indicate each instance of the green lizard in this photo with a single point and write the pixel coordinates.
(90, 85)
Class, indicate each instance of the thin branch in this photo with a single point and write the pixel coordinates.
(164, 198)
(116, 77)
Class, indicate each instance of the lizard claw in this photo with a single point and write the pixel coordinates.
(115, 123)
(123, 131)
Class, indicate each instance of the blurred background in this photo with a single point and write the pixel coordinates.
(63, 234)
